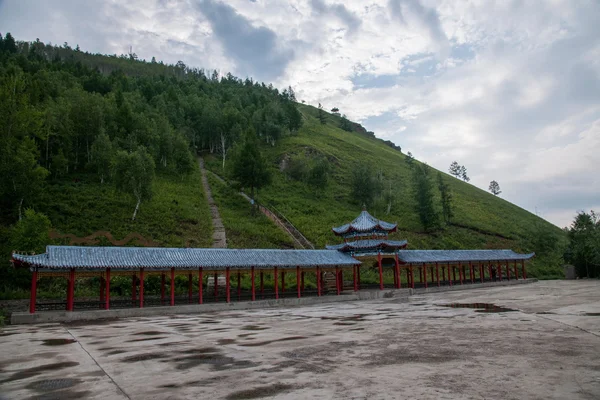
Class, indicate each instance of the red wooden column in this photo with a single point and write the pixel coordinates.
(337, 280)
(380, 271)
(397, 269)
(200, 283)
(524, 272)
(252, 283)
(354, 280)
(107, 288)
(227, 285)
(276, 283)
(190, 288)
(437, 273)
(239, 285)
(172, 286)
(216, 285)
(318, 281)
(516, 271)
(298, 283)
(141, 287)
(412, 276)
(133, 288)
(33, 293)
(282, 281)
(453, 274)
(424, 268)
(162, 288)
(507, 271)
(71, 298)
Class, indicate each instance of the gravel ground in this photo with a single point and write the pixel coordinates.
(545, 343)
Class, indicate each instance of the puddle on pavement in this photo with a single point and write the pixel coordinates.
(52, 384)
(479, 307)
(266, 342)
(259, 392)
(149, 333)
(145, 339)
(254, 328)
(57, 342)
(30, 372)
(226, 341)
(143, 357)
(592, 314)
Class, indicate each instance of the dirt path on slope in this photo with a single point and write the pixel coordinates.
(219, 237)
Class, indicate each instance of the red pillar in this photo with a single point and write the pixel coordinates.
(172, 286)
(162, 288)
(33, 293)
(252, 283)
(227, 285)
(200, 283)
(71, 297)
(298, 283)
(239, 285)
(380, 271)
(141, 287)
(216, 284)
(276, 283)
(499, 272)
(133, 288)
(282, 281)
(397, 266)
(318, 281)
(107, 287)
(524, 272)
(437, 273)
(424, 268)
(354, 281)
(190, 288)
(453, 274)
(412, 276)
(337, 280)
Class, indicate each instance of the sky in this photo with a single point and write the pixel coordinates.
(509, 89)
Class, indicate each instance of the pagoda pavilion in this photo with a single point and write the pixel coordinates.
(365, 238)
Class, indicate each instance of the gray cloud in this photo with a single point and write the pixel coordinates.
(339, 10)
(428, 18)
(256, 51)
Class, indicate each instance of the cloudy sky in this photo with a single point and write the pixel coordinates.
(510, 89)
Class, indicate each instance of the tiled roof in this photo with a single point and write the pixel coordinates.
(433, 256)
(83, 257)
(368, 244)
(365, 223)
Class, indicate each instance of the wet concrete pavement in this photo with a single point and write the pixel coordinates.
(548, 348)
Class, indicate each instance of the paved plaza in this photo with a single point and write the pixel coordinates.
(542, 341)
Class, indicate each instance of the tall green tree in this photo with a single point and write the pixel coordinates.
(134, 173)
(27, 175)
(584, 244)
(455, 169)
(31, 233)
(365, 185)
(446, 199)
(249, 166)
(494, 188)
(102, 155)
(423, 194)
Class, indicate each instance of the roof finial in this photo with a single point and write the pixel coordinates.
(364, 207)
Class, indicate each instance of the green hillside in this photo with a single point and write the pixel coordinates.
(481, 220)
(70, 120)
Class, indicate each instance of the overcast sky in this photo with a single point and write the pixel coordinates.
(510, 89)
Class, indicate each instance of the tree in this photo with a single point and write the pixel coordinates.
(183, 161)
(134, 173)
(584, 244)
(102, 156)
(409, 159)
(494, 188)
(345, 124)
(365, 187)
(463, 174)
(423, 194)
(249, 166)
(446, 199)
(335, 110)
(319, 173)
(322, 115)
(31, 233)
(27, 175)
(455, 169)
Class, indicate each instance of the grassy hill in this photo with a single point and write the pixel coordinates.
(481, 220)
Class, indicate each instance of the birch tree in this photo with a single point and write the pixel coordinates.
(134, 173)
